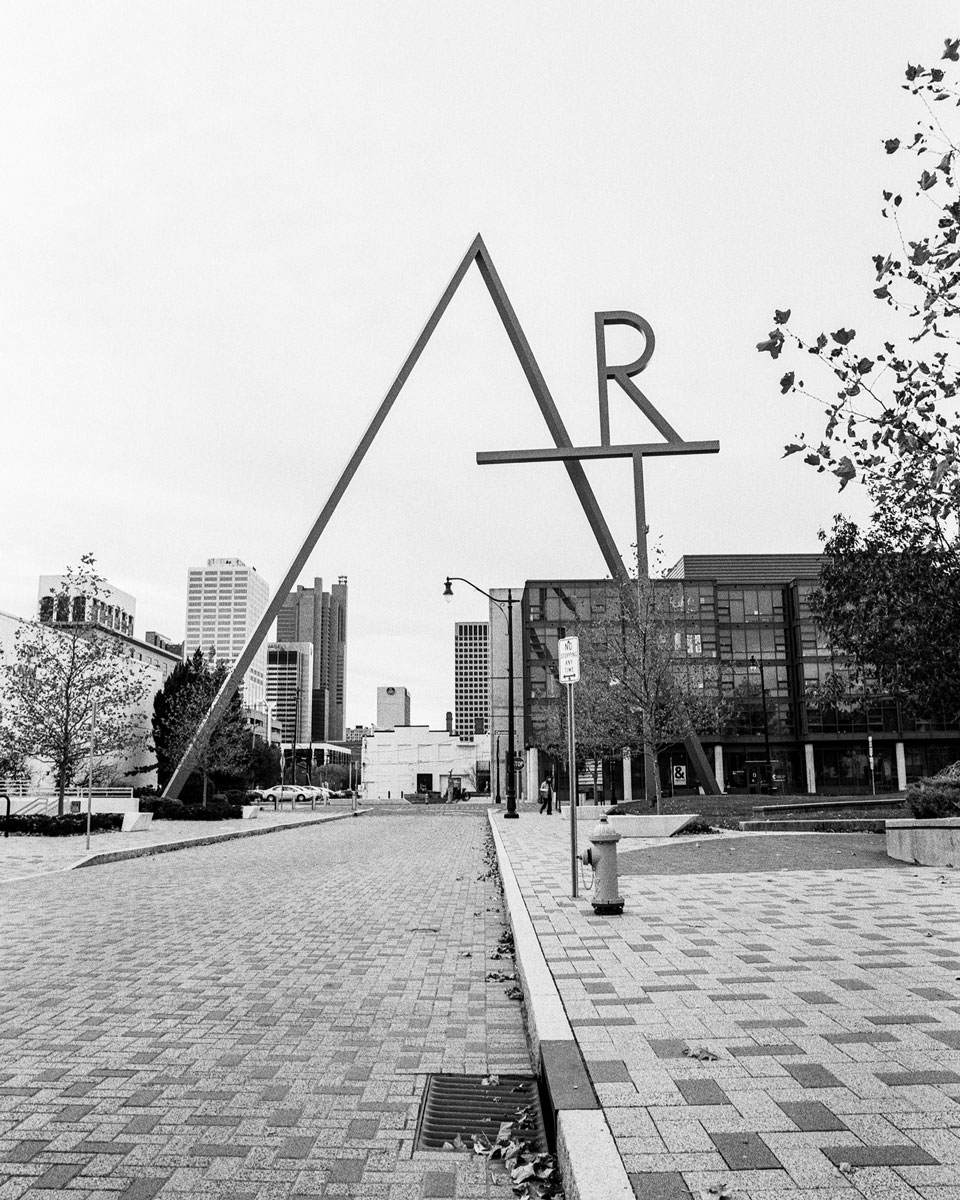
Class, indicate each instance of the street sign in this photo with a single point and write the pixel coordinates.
(568, 654)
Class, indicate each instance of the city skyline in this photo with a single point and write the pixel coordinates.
(208, 291)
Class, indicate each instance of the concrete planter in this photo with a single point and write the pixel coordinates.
(632, 827)
(933, 843)
(250, 811)
(136, 822)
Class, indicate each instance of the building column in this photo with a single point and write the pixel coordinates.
(901, 768)
(531, 773)
(811, 770)
(627, 775)
(718, 767)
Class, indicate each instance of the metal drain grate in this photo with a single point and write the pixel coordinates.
(460, 1104)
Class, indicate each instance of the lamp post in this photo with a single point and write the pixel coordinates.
(510, 601)
(496, 758)
(758, 666)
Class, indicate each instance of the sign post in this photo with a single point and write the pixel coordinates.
(568, 652)
(93, 734)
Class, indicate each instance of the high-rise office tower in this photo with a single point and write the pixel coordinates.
(312, 615)
(290, 688)
(393, 707)
(471, 670)
(225, 600)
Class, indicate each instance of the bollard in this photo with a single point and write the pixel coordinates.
(602, 856)
(6, 826)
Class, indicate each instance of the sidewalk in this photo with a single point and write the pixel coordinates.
(23, 857)
(749, 1030)
(254, 1020)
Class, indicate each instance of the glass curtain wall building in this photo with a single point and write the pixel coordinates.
(770, 680)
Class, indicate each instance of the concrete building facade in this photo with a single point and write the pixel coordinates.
(414, 759)
(309, 614)
(393, 707)
(225, 600)
(57, 604)
(471, 670)
(146, 664)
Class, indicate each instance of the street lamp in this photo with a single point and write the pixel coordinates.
(509, 602)
(496, 758)
(766, 724)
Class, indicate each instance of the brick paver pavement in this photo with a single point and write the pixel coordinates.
(20, 855)
(254, 1019)
(792, 1034)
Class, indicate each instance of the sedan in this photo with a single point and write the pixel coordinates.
(293, 792)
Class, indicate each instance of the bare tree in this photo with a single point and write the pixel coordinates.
(60, 672)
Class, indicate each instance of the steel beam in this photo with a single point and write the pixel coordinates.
(259, 634)
(565, 453)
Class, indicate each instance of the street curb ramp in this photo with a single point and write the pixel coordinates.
(111, 856)
(589, 1160)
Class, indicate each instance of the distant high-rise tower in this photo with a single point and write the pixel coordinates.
(393, 707)
(225, 600)
(471, 667)
(312, 615)
(289, 688)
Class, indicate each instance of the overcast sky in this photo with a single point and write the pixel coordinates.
(223, 226)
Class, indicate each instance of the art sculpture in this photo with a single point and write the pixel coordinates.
(562, 450)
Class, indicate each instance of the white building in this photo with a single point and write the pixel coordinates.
(225, 600)
(57, 604)
(393, 707)
(147, 664)
(414, 758)
(290, 688)
(471, 670)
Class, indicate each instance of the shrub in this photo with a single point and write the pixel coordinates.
(937, 797)
(175, 810)
(41, 825)
(698, 826)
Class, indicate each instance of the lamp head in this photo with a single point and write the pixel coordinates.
(447, 590)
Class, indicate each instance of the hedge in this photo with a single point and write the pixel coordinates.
(41, 825)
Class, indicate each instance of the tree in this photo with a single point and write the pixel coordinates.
(60, 672)
(178, 710)
(644, 683)
(165, 733)
(889, 603)
(888, 598)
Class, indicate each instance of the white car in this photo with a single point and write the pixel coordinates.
(295, 792)
(321, 792)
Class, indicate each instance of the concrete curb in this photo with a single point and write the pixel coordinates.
(111, 856)
(588, 1156)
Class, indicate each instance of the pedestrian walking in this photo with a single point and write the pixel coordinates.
(546, 797)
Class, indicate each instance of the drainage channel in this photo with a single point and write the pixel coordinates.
(465, 1106)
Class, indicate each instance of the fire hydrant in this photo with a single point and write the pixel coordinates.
(602, 856)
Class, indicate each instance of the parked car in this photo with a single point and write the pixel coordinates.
(296, 792)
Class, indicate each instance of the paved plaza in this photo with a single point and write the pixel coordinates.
(772, 1018)
(251, 1019)
(756, 1031)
